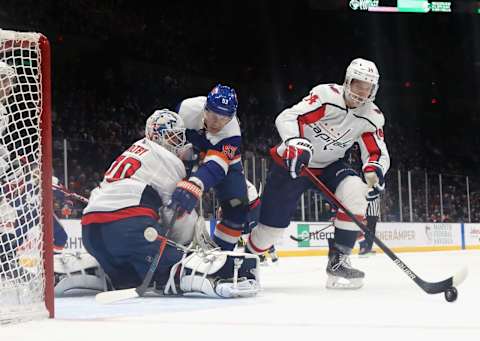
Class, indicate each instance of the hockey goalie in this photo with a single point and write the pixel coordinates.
(130, 208)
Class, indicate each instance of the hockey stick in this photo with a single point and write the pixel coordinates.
(445, 286)
(124, 294)
(69, 194)
(300, 239)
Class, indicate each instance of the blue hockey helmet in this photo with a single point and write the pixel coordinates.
(222, 100)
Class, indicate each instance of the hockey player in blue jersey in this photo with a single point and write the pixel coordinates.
(214, 130)
(316, 133)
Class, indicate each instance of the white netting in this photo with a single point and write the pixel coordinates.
(22, 278)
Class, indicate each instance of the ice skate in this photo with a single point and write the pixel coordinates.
(273, 254)
(263, 259)
(341, 274)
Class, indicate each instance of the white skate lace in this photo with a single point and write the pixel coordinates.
(343, 260)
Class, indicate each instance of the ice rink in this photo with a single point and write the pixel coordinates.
(294, 305)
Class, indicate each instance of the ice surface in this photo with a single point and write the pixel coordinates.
(294, 305)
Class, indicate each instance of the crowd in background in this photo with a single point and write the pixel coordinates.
(114, 62)
(107, 138)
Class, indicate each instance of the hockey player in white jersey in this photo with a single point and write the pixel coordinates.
(316, 132)
(135, 188)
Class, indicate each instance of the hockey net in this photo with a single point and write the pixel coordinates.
(26, 275)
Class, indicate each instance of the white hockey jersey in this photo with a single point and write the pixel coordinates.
(138, 183)
(323, 118)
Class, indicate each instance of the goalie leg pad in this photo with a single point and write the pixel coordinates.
(80, 284)
(78, 273)
(208, 273)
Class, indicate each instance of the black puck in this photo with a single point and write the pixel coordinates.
(451, 294)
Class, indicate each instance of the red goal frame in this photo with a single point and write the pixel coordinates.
(46, 170)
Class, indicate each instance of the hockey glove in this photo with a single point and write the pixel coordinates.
(297, 155)
(375, 181)
(185, 197)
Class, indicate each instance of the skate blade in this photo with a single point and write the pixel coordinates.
(335, 282)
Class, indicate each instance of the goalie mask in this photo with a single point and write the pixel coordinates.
(364, 91)
(167, 129)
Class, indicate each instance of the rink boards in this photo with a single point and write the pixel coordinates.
(310, 238)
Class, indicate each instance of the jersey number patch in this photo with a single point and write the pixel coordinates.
(123, 168)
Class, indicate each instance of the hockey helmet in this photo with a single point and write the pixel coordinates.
(222, 100)
(362, 70)
(166, 128)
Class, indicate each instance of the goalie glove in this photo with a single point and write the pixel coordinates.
(298, 153)
(185, 197)
(375, 182)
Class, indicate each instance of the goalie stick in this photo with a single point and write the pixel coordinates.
(124, 294)
(429, 287)
(69, 194)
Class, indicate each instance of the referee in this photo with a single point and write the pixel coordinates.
(373, 211)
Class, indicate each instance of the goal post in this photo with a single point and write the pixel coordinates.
(26, 203)
(46, 137)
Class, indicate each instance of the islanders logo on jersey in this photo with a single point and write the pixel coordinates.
(229, 151)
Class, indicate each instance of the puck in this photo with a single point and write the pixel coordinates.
(150, 234)
(451, 294)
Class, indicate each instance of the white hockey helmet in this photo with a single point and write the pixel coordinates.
(166, 128)
(363, 70)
